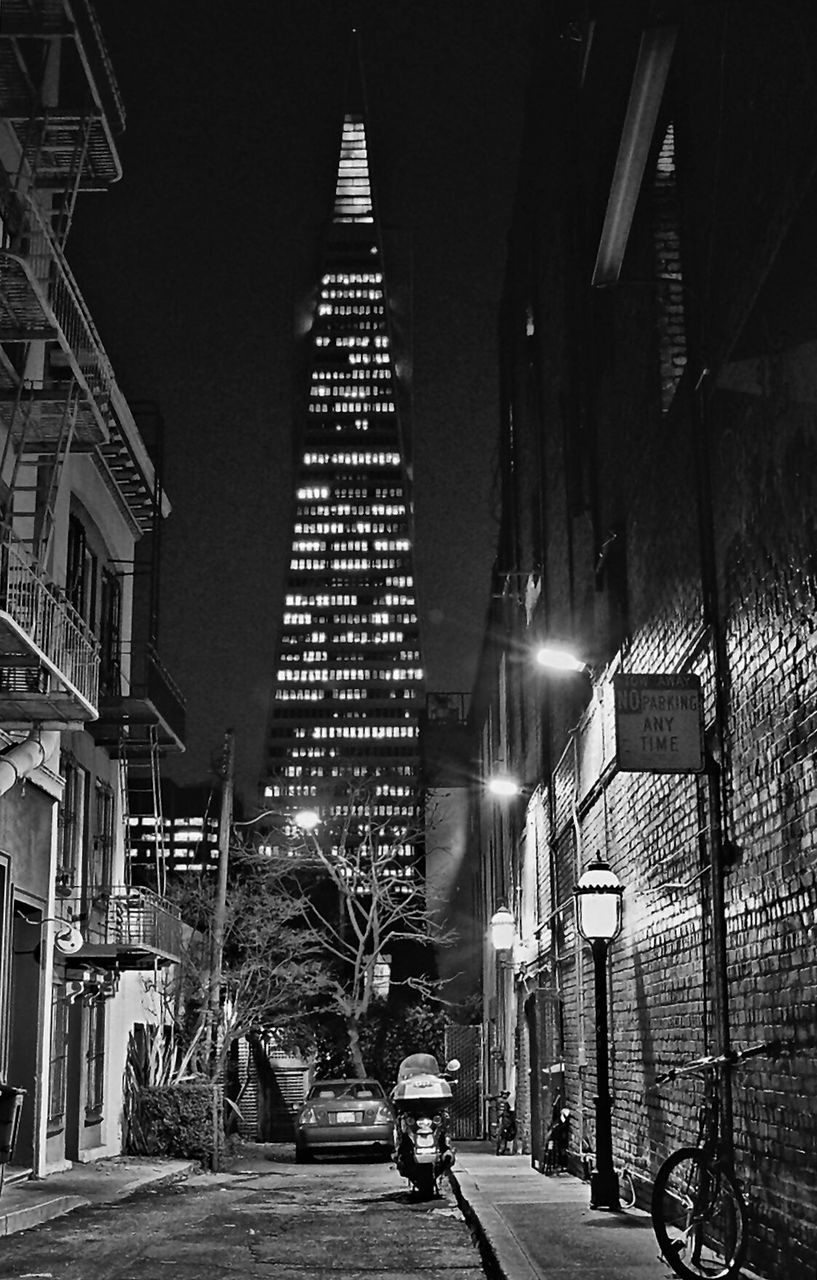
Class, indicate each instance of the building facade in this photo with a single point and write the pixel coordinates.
(346, 704)
(83, 954)
(659, 358)
(177, 836)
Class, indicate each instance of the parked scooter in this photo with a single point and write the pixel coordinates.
(421, 1099)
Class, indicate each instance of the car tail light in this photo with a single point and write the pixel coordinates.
(308, 1116)
(383, 1116)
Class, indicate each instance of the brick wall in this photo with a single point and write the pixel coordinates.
(630, 425)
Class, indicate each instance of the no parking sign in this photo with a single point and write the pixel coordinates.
(659, 725)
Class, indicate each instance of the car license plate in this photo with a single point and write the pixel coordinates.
(346, 1117)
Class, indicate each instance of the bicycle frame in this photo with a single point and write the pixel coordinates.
(710, 1113)
(715, 1070)
(698, 1211)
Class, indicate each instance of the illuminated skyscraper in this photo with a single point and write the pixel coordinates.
(348, 683)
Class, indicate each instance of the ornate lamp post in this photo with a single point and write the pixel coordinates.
(503, 928)
(598, 909)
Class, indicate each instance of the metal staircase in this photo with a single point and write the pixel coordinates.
(140, 777)
(34, 451)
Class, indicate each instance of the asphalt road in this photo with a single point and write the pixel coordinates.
(265, 1220)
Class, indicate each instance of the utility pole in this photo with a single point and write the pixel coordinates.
(217, 940)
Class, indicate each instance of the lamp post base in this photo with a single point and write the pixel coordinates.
(604, 1191)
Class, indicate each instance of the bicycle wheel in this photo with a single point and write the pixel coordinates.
(698, 1216)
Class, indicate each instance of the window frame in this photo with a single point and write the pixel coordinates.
(95, 1062)
(71, 822)
(58, 1057)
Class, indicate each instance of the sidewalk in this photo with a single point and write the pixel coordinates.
(533, 1227)
(27, 1203)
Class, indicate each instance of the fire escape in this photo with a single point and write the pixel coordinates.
(61, 106)
(61, 112)
(142, 715)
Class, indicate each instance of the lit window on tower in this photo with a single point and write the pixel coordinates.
(349, 672)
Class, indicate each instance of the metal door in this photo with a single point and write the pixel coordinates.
(465, 1043)
(543, 1011)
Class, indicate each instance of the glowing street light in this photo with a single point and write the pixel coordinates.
(503, 928)
(503, 785)
(558, 658)
(306, 819)
(598, 899)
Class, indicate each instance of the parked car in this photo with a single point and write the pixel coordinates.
(344, 1115)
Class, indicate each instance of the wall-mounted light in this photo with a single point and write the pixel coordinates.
(557, 657)
(503, 928)
(503, 786)
(67, 939)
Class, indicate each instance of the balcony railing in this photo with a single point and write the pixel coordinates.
(165, 694)
(139, 920)
(42, 300)
(74, 143)
(123, 927)
(94, 49)
(49, 658)
(143, 712)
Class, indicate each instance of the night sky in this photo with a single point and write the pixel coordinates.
(196, 264)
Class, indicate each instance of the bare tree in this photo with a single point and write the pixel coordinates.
(272, 973)
(358, 888)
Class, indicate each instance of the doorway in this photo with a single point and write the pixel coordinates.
(22, 1026)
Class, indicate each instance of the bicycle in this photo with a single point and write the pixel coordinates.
(698, 1210)
(505, 1124)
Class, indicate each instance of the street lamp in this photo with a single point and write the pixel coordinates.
(503, 928)
(557, 657)
(503, 786)
(307, 819)
(598, 909)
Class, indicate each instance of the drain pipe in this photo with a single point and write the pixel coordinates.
(26, 756)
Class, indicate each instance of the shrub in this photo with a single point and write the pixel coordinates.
(173, 1120)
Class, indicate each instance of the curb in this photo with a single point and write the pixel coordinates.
(26, 1216)
(164, 1180)
(502, 1255)
(32, 1215)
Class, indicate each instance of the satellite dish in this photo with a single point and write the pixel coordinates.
(68, 940)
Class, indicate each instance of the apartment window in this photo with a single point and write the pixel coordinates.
(102, 857)
(95, 591)
(95, 1063)
(58, 1063)
(70, 823)
(110, 622)
(81, 572)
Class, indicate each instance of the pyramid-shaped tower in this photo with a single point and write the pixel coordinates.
(348, 679)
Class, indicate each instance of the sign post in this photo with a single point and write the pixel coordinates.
(659, 723)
